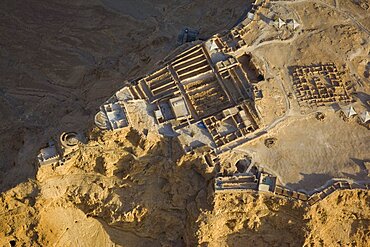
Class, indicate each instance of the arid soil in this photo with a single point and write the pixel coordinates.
(259, 220)
(123, 189)
(330, 141)
(60, 60)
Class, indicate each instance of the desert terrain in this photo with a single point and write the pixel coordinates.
(61, 61)
(132, 192)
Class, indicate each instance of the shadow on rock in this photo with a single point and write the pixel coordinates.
(151, 196)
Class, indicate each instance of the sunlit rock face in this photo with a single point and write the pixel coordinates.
(129, 187)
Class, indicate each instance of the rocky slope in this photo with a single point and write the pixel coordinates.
(60, 60)
(126, 189)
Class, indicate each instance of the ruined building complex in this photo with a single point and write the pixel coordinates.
(208, 94)
(319, 85)
(206, 85)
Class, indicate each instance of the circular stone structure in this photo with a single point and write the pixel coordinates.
(70, 139)
(101, 120)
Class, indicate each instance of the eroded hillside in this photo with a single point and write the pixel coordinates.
(123, 189)
(130, 187)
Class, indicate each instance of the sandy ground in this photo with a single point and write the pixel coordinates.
(60, 61)
(308, 152)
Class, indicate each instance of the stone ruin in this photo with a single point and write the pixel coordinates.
(319, 85)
